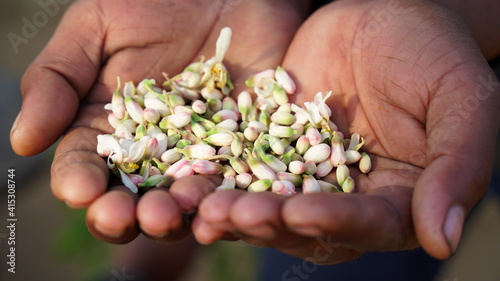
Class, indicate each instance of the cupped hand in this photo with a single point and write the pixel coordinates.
(66, 87)
(408, 77)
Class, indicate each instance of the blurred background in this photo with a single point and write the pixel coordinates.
(52, 242)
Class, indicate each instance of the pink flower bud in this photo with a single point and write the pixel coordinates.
(229, 103)
(229, 125)
(273, 163)
(220, 139)
(302, 145)
(352, 156)
(327, 187)
(280, 96)
(177, 167)
(157, 104)
(324, 168)
(283, 187)
(259, 169)
(251, 134)
(197, 151)
(338, 155)
(310, 185)
(228, 182)
(276, 145)
(238, 165)
(225, 150)
(283, 118)
(297, 167)
(199, 107)
(260, 185)
(342, 173)
(311, 168)
(177, 120)
(243, 180)
(282, 131)
(285, 176)
(284, 80)
(224, 114)
(365, 164)
(258, 126)
(348, 185)
(237, 147)
(317, 153)
(134, 110)
(314, 136)
(257, 78)
(206, 167)
(151, 115)
(117, 104)
(244, 104)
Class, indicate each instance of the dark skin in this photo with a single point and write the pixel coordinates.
(66, 87)
(401, 87)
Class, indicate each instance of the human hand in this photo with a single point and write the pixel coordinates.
(66, 87)
(408, 77)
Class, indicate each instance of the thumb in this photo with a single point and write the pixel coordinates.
(56, 81)
(462, 129)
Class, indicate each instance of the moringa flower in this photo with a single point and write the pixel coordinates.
(317, 153)
(197, 151)
(201, 166)
(310, 185)
(175, 121)
(297, 167)
(260, 185)
(134, 109)
(283, 187)
(243, 180)
(284, 80)
(338, 155)
(342, 173)
(365, 164)
(220, 139)
(352, 156)
(348, 185)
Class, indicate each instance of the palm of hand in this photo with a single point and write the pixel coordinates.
(74, 76)
(394, 89)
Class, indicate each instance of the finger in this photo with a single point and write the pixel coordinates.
(78, 174)
(189, 191)
(59, 77)
(212, 221)
(379, 220)
(111, 218)
(159, 216)
(204, 232)
(215, 209)
(262, 222)
(462, 129)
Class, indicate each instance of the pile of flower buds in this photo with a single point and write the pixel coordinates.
(192, 126)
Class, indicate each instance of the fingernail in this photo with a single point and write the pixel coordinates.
(108, 232)
(312, 231)
(14, 125)
(453, 226)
